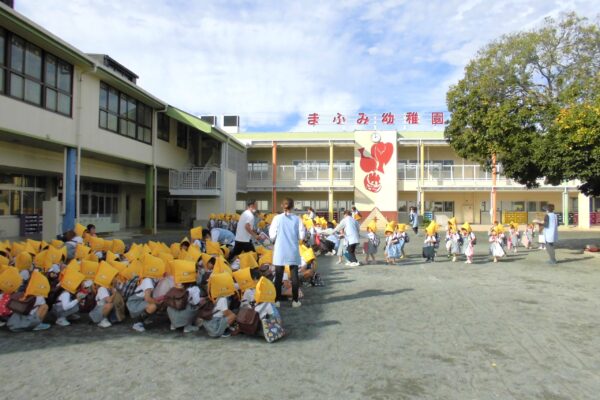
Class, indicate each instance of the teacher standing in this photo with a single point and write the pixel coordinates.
(551, 232)
(245, 231)
(286, 231)
(351, 229)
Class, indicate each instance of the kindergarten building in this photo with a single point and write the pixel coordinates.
(393, 171)
(80, 140)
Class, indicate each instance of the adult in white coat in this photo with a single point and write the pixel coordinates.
(351, 229)
(286, 231)
(551, 232)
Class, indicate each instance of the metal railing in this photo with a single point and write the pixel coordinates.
(446, 172)
(195, 179)
(298, 173)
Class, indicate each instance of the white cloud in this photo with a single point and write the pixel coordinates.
(270, 61)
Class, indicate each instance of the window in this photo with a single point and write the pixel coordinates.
(531, 206)
(182, 135)
(2, 59)
(124, 115)
(28, 73)
(21, 194)
(164, 123)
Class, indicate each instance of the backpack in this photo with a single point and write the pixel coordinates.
(21, 305)
(406, 238)
(128, 288)
(4, 310)
(176, 298)
(88, 303)
(376, 241)
(248, 320)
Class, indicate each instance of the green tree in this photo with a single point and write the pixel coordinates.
(512, 97)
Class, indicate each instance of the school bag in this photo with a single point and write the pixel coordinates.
(248, 320)
(376, 241)
(176, 298)
(88, 303)
(206, 310)
(4, 310)
(21, 305)
(272, 326)
(128, 289)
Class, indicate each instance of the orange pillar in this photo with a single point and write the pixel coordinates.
(494, 176)
(274, 196)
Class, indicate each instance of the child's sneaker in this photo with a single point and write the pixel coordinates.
(62, 322)
(104, 323)
(139, 327)
(42, 327)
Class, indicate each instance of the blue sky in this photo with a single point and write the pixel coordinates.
(274, 62)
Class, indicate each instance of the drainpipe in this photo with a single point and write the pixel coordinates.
(78, 142)
(154, 169)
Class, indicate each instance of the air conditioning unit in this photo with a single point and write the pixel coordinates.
(211, 119)
(231, 124)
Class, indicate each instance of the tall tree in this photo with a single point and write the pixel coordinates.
(514, 94)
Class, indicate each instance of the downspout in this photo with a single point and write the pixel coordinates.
(78, 142)
(154, 169)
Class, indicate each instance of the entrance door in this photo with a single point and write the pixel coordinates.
(468, 213)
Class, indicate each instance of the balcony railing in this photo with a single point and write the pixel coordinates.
(302, 173)
(194, 181)
(446, 172)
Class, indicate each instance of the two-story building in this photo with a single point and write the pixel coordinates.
(77, 128)
(328, 171)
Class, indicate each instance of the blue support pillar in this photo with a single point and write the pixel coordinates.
(69, 190)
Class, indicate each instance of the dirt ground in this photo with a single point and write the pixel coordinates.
(519, 329)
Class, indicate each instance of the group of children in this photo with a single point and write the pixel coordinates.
(191, 283)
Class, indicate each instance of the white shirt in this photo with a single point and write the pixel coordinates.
(146, 284)
(194, 295)
(264, 309)
(25, 274)
(286, 230)
(351, 229)
(39, 300)
(241, 234)
(220, 306)
(65, 301)
(248, 296)
(102, 294)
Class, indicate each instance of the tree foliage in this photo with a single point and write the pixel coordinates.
(526, 97)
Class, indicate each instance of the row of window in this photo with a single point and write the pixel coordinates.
(124, 115)
(35, 76)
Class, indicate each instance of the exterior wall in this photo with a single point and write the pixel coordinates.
(406, 153)
(100, 140)
(33, 121)
(168, 154)
(9, 226)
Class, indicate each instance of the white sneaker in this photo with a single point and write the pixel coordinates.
(173, 328)
(354, 264)
(277, 304)
(333, 253)
(296, 304)
(62, 322)
(190, 328)
(2, 323)
(348, 263)
(339, 262)
(104, 323)
(138, 326)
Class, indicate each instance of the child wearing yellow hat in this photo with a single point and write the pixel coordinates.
(513, 237)
(429, 244)
(372, 243)
(392, 250)
(496, 249)
(66, 306)
(469, 241)
(141, 304)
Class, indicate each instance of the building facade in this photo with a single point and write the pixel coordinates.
(393, 171)
(81, 141)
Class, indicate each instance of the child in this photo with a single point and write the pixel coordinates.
(342, 246)
(469, 241)
(541, 237)
(34, 321)
(391, 250)
(372, 243)
(104, 306)
(222, 319)
(496, 245)
(66, 306)
(402, 237)
(141, 304)
(513, 237)
(528, 238)
(429, 243)
(185, 318)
